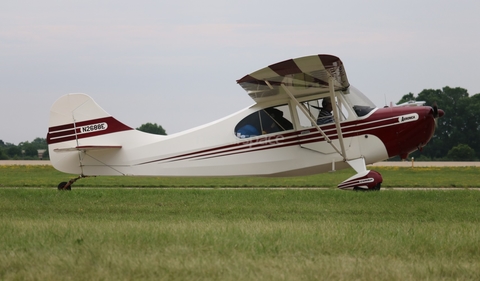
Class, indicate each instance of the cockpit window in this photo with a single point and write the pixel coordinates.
(265, 121)
(358, 101)
(362, 110)
(321, 110)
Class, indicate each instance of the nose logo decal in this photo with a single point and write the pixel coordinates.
(408, 118)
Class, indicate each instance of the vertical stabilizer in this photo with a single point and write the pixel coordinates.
(78, 124)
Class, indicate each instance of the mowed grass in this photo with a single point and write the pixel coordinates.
(238, 234)
(47, 176)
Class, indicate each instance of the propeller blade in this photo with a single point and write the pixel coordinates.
(435, 110)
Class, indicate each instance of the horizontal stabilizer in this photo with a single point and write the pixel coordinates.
(87, 147)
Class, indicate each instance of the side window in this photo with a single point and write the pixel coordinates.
(321, 110)
(265, 121)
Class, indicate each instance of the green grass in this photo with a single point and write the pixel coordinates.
(47, 176)
(245, 234)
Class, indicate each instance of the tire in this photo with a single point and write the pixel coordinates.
(62, 185)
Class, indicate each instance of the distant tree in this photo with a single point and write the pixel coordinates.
(46, 155)
(406, 98)
(461, 152)
(3, 155)
(3, 151)
(152, 129)
(30, 151)
(14, 151)
(40, 143)
(24, 150)
(472, 123)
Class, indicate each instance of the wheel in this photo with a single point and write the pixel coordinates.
(63, 184)
(376, 188)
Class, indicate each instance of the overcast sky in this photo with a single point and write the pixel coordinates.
(175, 63)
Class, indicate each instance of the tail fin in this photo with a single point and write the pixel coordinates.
(77, 123)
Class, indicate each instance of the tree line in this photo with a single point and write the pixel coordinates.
(35, 150)
(456, 138)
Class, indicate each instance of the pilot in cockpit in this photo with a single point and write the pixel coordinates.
(325, 115)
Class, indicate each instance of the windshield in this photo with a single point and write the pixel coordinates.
(358, 101)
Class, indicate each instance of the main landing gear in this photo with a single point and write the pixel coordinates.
(375, 188)
(365, 181)
(64, 185)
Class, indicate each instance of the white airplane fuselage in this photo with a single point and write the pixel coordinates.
(214, 149)
(306, 119)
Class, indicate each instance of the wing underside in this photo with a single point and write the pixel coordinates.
(302, 76)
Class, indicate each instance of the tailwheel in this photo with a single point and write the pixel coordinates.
(64, 185)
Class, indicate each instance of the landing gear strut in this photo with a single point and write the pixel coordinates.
(64, 185)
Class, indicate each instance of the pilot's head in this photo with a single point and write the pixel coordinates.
(327, 104)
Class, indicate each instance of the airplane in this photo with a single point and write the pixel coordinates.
(281, 135)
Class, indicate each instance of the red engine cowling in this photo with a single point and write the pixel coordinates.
(368, 180)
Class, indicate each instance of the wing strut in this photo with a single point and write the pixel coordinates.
(308, 115)
(337, 119)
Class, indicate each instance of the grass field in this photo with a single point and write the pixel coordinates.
(248, 234)
(47, 176)
(106, 233)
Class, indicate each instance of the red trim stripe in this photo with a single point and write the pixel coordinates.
(68, 132)
(349, 129)
(286, 67)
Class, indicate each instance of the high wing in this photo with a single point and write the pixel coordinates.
(302, 76)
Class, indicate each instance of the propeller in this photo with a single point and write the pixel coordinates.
(435, 110)
(437, 113)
